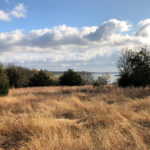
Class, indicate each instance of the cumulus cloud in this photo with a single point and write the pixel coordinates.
(19, 11)
(4, 16)
(109, 28)
(69, 45)
(144, 29)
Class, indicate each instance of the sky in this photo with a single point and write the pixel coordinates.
(85, 35)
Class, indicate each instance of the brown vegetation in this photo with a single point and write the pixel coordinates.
(75, 118)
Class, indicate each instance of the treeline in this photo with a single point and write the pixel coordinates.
(134, 70)
(18, 76)
(12, 76)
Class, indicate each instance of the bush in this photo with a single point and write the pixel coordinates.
(16, 76)
(87, 77)
(96, 84)
(41, 79)
(70, 78)
(102, 80)
(4, 83)
(134, 68)
(4, 86)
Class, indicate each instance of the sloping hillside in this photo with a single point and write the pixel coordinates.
(77, 118)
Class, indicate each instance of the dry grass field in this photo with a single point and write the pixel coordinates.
(75, 118)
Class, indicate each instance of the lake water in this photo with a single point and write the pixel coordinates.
(114, 76)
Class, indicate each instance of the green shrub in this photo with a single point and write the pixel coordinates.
(16, 76)
(4, 83)
(41, 79)
(70, 78)
(4, 87)
(96, 84)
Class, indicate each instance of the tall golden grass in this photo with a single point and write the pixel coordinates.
(77, 118)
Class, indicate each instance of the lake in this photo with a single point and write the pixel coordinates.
(114, 76)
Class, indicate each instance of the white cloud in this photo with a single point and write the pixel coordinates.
(19, 11)
(108, 28)
(144, 29)
(4, 16)
(69, 45)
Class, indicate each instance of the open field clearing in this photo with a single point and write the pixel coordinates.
(75, 118)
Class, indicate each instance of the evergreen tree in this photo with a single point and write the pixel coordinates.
(134, 68)
(70, 78)
(40, 79)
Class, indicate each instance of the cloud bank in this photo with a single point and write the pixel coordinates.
(66, 46)
(19, 11)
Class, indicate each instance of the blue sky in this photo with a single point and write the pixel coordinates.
(76, 13)
(78, 34)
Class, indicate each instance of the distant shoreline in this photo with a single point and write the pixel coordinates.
(60, 72)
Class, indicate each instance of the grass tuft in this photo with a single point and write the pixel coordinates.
(75, 118)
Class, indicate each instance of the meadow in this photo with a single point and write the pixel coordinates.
(75, 118)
